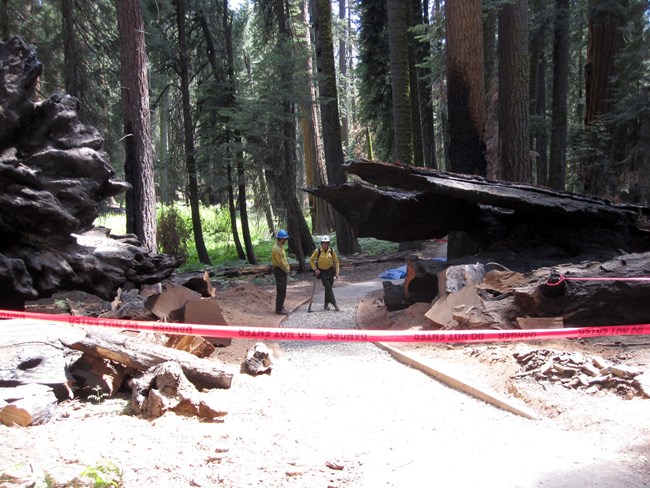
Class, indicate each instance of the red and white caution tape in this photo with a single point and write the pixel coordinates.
(338, 335)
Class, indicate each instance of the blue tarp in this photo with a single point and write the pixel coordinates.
(394, 274)
(400, 273)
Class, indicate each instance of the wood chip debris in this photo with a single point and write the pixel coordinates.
(581, 371)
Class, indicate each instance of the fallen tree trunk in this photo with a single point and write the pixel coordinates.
(545, 227)
(27, 405)
(578, 294)
(141, 356)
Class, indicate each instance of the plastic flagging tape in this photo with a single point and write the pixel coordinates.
(559, 278)
(338, 335)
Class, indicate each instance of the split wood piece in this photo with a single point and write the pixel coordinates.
(259, 360)
(92, 373)
(141, 356)
(504, 296)
(167, 305)
(540, 322)
(196, 345)
(201, 285)
(27, 405)
(164, 388)
(421, 281)
(444, 310)
(179, 304)
(427, 366)
(394, 296)
(129, 305)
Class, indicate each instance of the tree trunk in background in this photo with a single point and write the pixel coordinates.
(465, 87)
(400, 80)
(4, 20)
(414, 95)
(138, 164)
(537, 91)
(242, 202)
(301, 242)
(514, 154)
(322, 214)
(263, 199)
(228, 95)
(560, 117)
(238, 153)
(420, 12)
(602, 46)
(489, 52)
(343, 70)
(69, 49)
(164, 166)
(188, 127)
(322, 21)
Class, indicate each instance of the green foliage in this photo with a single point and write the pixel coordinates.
(116, 222)
(173, 232)
(374, 75)
(98, 396)
(372, 246)
(104, 474)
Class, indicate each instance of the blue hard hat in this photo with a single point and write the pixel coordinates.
(282, 234)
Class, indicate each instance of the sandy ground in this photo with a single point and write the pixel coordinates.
(603, 436)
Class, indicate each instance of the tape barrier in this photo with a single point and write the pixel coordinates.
(337, 335)
(555, 280)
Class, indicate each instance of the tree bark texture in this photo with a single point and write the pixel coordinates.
(465, 87)
(138, 164)
(322, 216)
(425, 92)
(69, 50)
(400, 79)
(537, 91)
(560, 116)
(514, 154)
(322, 20)
(603, 44)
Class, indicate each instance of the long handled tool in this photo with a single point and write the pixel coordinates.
(312, 295)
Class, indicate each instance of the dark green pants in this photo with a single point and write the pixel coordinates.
(280, 288)
(327, 277)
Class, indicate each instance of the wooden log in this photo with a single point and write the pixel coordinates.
(394, 296)
(195, 345)
(31, 352)
(204, 373)
(259, 359)
(92, 373)
(164, 388)
(404, 203)
(421, 281)
(27, 405)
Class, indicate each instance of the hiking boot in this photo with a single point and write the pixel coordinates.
(326, 307)
(336, 307)
(282, 312)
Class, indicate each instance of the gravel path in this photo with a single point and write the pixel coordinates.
(348, 415)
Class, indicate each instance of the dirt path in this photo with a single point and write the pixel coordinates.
(349, 415)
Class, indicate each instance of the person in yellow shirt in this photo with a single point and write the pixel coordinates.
(325, 264)
(281, 270)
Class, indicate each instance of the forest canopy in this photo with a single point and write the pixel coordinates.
(212, 103)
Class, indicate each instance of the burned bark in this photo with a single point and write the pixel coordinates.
(403, 203)
(53, 175)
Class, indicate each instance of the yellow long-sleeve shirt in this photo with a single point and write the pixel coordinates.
(326, 260)
(279, 258)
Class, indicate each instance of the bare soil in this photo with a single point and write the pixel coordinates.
(94, 438)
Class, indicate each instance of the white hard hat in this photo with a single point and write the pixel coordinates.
(325, 239)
